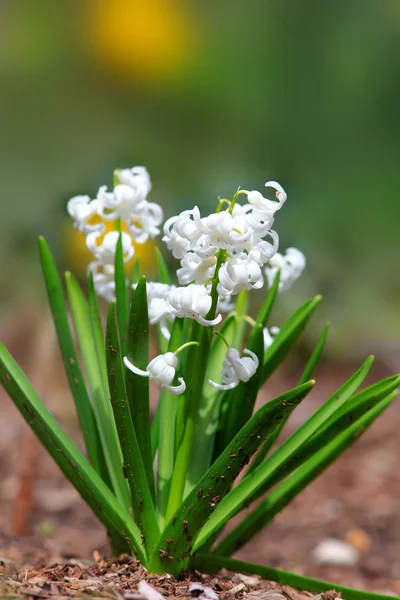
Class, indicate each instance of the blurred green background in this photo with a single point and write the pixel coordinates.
(211, 95)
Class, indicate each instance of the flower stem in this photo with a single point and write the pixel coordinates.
(192, 402)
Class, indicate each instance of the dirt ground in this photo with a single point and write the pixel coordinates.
(356, 500)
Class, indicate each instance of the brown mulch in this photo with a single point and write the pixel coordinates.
(45, 528)
(119, 580)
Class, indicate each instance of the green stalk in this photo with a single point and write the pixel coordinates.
(142, 503)
(166, 442)
(193, 396)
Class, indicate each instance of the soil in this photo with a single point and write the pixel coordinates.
(52, 546)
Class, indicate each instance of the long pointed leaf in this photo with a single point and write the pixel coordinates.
(74, 466)
(98, 388)
(253, 485)
(71, 364)
(315, 356)
(142, 503)
(306, 375)
(293, 485)
(211, 489)
(265, 310)
(210, 563)
(137, 387)
(121, 293)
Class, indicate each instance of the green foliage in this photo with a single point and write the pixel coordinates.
(204, 438)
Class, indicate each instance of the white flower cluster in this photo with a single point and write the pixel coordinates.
(126, 203)
(245, 234)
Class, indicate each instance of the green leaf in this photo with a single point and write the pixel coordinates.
(210, 563)
(137, 387)
(320, 454)
(74, 466)
(209, 409)
(252, 486)
(315, 356)
(307, 373)
(121, 293)
(241, 309)
(142, 503)
(99, 391)
(97, 329)
(71, 364)
(287, 336)
(205, 498)
(341, 419)
(135, 271)
(165, 277)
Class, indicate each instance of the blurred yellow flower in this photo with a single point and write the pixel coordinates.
(146, 38)
(78, 256)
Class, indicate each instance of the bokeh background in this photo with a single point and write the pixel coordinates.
(211, 95)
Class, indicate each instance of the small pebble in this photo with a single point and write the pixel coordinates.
(335, 552)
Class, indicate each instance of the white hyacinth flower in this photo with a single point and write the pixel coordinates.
(291, 265)
(180, 233)
(263, 251)
(137, 178)
(105, 252)
(195, 269)
(194, 302)
(161, 370)
(269, 335)
(236, 369)
(103, 280)
(257, 200)
(144, 221)
(237, 274)
(121, 203)
(82, 209)
(159, 307)
(221, 230)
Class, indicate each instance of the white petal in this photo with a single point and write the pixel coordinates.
(134, 369)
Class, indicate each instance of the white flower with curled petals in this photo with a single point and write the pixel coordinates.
(180, 233)
(194, 302)
(263, 251)
(291, 266)
(257, 200)
(103, 280)
(159, 308)
(137, 178)
(82, 210)
(161, 370)
(144, 221)
(236, 369)
(120, 203)
(195, 269)
(105, 251)
(221, 230)
(237, 274)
